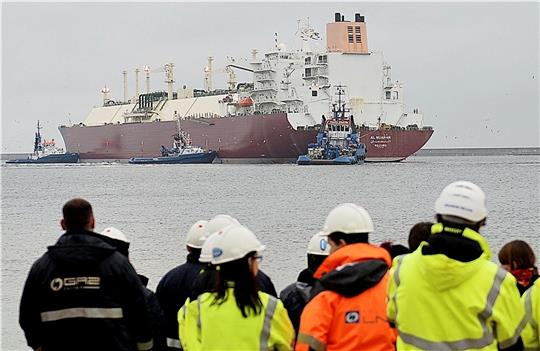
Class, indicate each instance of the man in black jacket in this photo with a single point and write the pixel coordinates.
(82, 294)
(296, 295)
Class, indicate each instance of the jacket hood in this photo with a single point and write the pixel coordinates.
(79, 248)
(354, 278)
(353, 253)
(445, 272)
(352, 269)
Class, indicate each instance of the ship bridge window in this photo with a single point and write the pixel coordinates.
(388, 95)
(323, 59)
(308, 61)
(396, 95)
(314, 93)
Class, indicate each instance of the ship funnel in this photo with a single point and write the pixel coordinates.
(347, 37)
(337, 17)
(124, 73)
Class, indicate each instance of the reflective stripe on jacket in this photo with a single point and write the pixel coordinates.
(531, 333)
(343, 317)
(439, 303)
(208, 326)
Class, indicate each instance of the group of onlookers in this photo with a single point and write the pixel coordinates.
(442, 292)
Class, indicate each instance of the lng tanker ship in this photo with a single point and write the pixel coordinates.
(273, 118)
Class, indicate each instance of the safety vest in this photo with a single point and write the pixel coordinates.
(438, 303)
(531, 333)
(204, 325)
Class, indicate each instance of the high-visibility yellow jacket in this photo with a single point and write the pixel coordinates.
(207, 326)
(439, 303)
(531, 333)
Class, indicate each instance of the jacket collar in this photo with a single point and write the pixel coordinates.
(352, 253)
(468, 233)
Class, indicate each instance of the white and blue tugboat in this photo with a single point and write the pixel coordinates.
(338, 141)
(46, 152)
(182, 152)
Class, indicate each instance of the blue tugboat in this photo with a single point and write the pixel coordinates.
(337, 140)
(46, 152)
(182, 152)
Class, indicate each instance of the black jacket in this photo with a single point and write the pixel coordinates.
(296, 296)
(172, 292)
(84, 295)
(155, 314)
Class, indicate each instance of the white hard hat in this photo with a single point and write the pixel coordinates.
(206, 250)
(464, 200)
(219, 222)
(115, 234)
(196, 235)
(349, 219)
(318, 245)
(233, 243)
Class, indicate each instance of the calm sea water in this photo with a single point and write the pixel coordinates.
(283, 204)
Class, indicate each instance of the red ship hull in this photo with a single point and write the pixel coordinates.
(258, 138)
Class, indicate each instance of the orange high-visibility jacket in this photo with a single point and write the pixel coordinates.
(350, 314)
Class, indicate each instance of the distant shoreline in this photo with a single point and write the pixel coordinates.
(477, 151)
(480, 151)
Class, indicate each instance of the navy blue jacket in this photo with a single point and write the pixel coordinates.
(84, 295)
(172, 292)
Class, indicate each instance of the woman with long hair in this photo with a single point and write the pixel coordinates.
(235, 314)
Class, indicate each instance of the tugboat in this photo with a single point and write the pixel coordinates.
(182, 152)
(46, 152)
(337, 140)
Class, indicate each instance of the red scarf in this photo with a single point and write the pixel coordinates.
(524, 276)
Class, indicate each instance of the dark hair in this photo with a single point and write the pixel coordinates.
(314, 261)
(77, 214)
(194, 253)
(517, 254)
(246, 286)
(418, 233)
(352, 238)
(395, 249)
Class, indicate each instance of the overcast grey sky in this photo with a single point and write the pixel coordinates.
(472, 68)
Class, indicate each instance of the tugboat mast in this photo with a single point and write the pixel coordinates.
(37, 140)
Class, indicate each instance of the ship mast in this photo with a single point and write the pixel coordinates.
(37, 141)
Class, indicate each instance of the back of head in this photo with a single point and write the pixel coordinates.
(517, 254)
(77, 215)
(349, 222)
(418, 233)
(234, 249)
(462, 203)
(117, 239)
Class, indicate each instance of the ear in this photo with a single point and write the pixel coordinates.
(92, 223)
(342, 243)
(63, 224)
